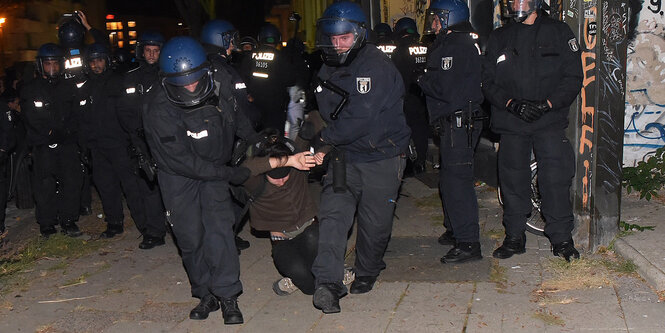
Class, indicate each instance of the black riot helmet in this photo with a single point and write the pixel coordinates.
(406, 27)
(50, 51)
(97, 51)
(269, 34)
(519, 10)
(71, 33)
(148, 38)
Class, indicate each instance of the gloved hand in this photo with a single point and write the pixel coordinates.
(528, 111)
(239, 175)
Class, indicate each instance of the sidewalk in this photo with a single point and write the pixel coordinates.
(123, 289)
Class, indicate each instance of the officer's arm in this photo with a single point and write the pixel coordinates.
(495, 94)
(128, 106)
(176, 155)
(446, 85)
(33, 112)
(571, 82)
(362, 110)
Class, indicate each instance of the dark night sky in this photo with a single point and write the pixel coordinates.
(143, 7)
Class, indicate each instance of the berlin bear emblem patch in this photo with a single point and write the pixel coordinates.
(446, 63)
(573, 45)
(363, 84)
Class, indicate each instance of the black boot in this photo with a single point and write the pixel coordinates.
(47, 231)
(231, 311)
(208, 304)
(326, 298)
(447, 238)
(362, 284)
(565, 249)
(112, 229)
(149, 242)
(463, 252)
(70, 229)
(510, 247)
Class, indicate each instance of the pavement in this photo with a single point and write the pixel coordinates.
(120, 288)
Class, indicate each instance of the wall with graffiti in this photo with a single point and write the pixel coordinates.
(393, 10)
(645, 97)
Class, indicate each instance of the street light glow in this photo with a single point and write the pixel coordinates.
(2, 20)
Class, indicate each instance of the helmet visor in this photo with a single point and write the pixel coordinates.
(336, 37)
(519, 9)
(188, 88)
(432, 16)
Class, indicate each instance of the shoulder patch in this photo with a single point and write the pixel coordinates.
(446, 63)
(363, 84)
(573, 45)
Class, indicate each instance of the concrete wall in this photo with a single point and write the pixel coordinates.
(645, 92)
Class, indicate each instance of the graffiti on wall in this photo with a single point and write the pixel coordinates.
(644, 117)
(588, 110)
(394, 10)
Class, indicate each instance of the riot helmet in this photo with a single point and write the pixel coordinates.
(406, 26)
(50, 60)
(71, 33)
(97, 58)
(269, 34)
(220, 33)
(185, 72)
(341, 32)
(447, 12)
(519, 10)
(149, 38)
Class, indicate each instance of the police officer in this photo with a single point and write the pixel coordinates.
(410, 58)
(51, 124)
(531, 75)
(7, 144)
(190, 132)
(137, 83)
(267, 75)
(103, 135)
(452, 87)
(360, 95)
(384, 38)
(219, 39)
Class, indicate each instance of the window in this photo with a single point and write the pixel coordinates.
(131, 24)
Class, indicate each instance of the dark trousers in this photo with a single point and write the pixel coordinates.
(202, 221)
(415, 113)
(556, 169)
(4, 186)
(372, 191)
(456, 183)
(56, 184)
(294, 258)
(86, 190)
(113, 174)
(153, 206)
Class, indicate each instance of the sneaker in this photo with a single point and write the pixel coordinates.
(349, 276)
(284, 287)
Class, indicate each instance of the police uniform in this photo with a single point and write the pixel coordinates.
(102, 133)
(191, 150)
(372, 134)
(453, 90)
(410, 58)
(137, 83)
(267, 75)
(7, 143)
(227, 79)
(535, 62)
(52, 133)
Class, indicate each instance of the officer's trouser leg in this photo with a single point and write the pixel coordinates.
(129, 182)
(515, 181)
(44, 186)
(416, 118)
(219, 247)
(456, 181)
(336, 213)
(556, 169)
(69, 176)
(4, 189)
(380, 185)
(108, 185)
(154, 209)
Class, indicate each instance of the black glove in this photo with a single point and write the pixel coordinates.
(528, 111)
(239, 175)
